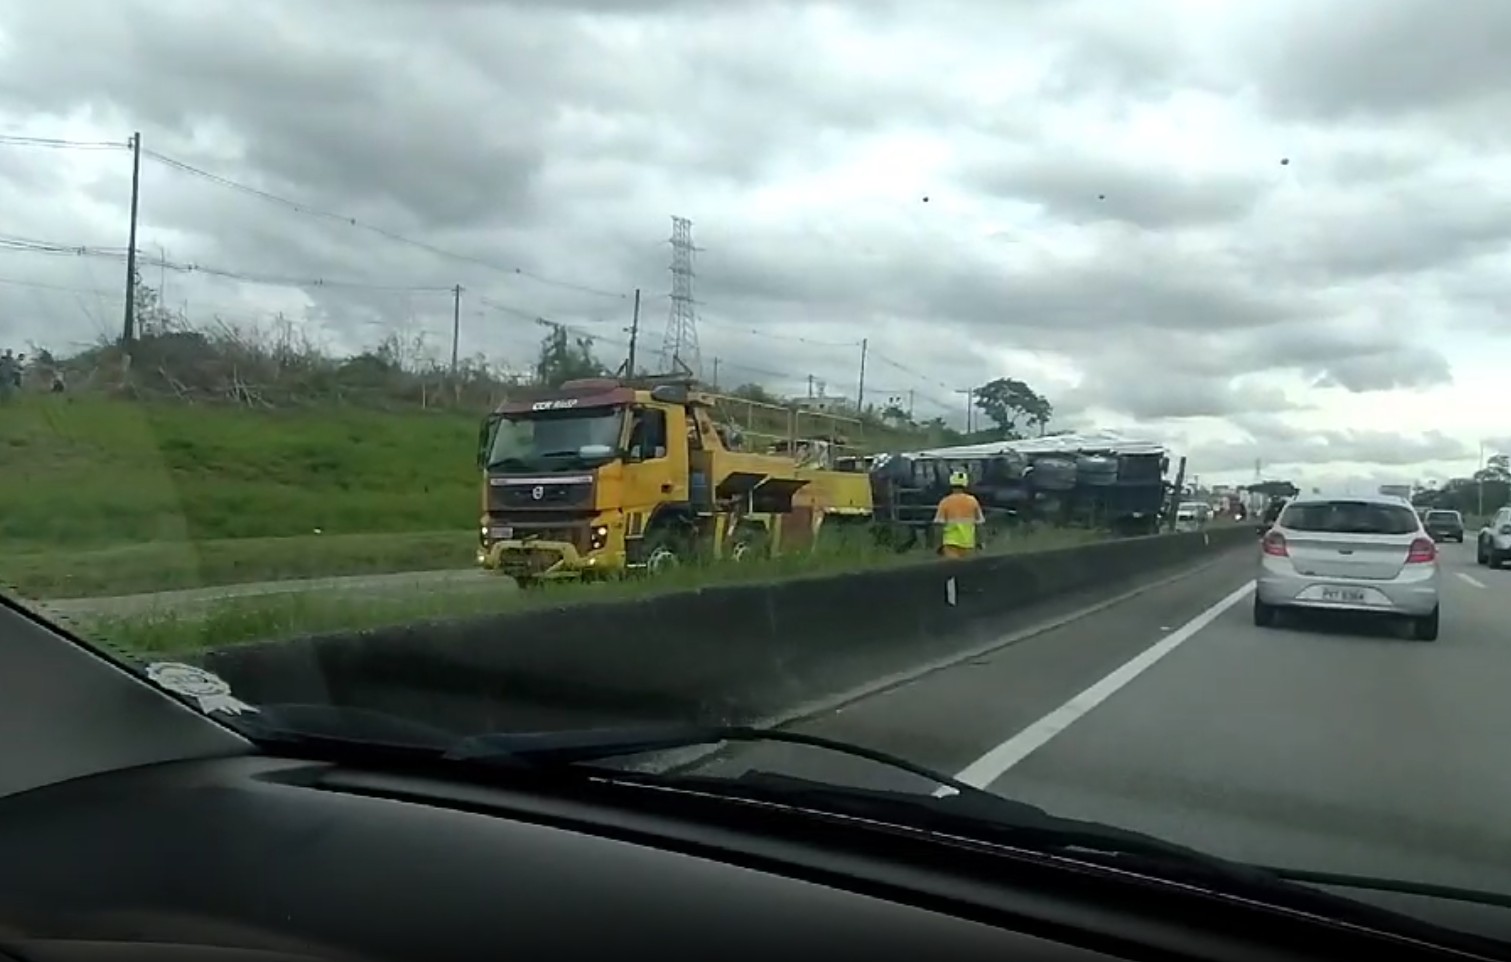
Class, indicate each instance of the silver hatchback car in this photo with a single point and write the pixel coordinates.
(1365, 553)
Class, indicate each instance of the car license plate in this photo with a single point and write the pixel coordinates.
(501, 532)
(1346, 595)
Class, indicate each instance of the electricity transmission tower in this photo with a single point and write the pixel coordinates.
(679, 348)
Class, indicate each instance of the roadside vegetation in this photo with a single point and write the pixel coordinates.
(272, 617)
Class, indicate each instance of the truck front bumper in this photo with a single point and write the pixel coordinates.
(539, 560)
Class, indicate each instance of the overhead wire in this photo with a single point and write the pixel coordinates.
(358, 224)
(60, 143)
(119, 253)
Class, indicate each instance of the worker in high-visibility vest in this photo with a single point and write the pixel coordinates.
(958, 515)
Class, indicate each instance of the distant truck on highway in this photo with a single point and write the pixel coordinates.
(603, 476)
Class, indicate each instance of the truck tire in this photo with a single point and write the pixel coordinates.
(665, 548)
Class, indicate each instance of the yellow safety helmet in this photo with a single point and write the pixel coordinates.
(959, 479)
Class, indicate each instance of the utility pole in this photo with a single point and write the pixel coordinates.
(629, 366)
(1176, 495)
(910, 404)
(716, 373)
(456, 325)
(128, 328)
(1479, 477)
(860, 390)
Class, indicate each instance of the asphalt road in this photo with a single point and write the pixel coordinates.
(1327, 745)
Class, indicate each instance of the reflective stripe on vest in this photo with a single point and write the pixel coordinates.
(960, 534)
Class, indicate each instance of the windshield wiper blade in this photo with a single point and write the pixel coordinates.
(1027, 825)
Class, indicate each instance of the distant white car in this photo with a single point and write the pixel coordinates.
(1366, 553)
(1493, 547)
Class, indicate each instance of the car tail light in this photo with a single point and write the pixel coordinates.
(1274, 544)
(1422, 551)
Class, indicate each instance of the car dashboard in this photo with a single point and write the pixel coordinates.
(298, 859)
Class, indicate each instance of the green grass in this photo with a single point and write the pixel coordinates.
(81, 472)
(171, 565)
(107, 496)
(238, 620)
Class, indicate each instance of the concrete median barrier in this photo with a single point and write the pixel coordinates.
(731, 653)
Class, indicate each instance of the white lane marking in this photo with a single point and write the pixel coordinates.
(834, 704)
(1471, 579)
(995, 763)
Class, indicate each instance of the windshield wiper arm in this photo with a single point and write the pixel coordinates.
(1024, 824)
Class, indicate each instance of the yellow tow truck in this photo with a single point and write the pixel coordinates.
(603, 476)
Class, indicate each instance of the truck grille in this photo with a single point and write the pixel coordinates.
(507, 493)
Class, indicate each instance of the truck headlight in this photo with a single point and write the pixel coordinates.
(599, 537)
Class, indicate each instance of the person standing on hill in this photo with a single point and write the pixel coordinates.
(959, 516)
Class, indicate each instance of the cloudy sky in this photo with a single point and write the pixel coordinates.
(1268, 230)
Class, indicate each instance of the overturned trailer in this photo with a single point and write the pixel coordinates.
(1094, 480)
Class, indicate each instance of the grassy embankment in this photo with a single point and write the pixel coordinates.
(234, 620)
(112, 497)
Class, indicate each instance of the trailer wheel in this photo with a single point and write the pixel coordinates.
(750, 543)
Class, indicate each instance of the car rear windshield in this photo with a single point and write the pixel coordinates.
(1350, 517)
(1442, 516)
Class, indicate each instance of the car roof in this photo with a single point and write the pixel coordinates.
(1380, 499)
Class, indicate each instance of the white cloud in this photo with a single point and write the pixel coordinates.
(1107, 213)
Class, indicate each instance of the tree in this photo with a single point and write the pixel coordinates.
(150, 316)
(756, 393)
(1497, 468)
(1012, 405)
(1275, 489)
(563, 358)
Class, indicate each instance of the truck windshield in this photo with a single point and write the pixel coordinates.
(538, 439)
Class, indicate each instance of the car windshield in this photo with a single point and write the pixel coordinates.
(515, 367)
(1349, 517)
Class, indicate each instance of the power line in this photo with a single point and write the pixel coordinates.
(32, 246)
(353, 222)
(59, 143)
(60, 288)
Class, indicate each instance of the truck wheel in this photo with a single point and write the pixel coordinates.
(664, 551)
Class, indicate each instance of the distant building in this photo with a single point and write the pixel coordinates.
(826, 404)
